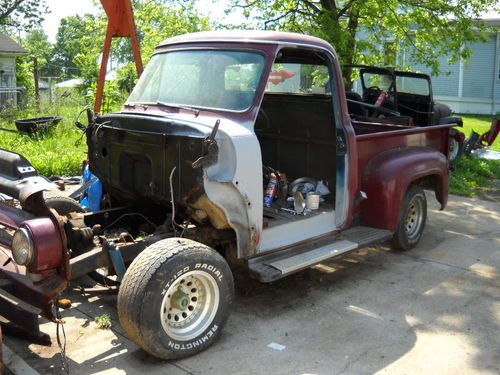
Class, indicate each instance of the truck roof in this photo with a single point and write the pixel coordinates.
(249, 36)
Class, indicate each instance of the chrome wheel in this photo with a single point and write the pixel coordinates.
(190, 305)
(414, 217)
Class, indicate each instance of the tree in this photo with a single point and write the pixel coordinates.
(155, 22)
(22, 14)
(426, 29)
(38, 45)
(77, 35)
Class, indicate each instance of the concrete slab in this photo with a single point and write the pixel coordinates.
(432, 310)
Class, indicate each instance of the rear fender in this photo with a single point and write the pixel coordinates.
(388, 176)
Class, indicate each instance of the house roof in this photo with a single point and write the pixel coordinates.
(8, 45)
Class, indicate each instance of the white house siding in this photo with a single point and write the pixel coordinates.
(472, 86)
(446, 84)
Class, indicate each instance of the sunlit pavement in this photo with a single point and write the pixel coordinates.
(432, 310)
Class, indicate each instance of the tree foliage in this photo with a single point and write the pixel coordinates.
(426, 29)
(156, 20)
(37, 44)
(77, 40)
(22, 14)
(80, 41)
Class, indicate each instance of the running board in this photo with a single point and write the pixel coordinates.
(271, 267)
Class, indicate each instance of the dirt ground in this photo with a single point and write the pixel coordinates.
(432, 310)
(491, 193)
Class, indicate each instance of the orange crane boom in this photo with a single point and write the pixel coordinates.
(120, 24)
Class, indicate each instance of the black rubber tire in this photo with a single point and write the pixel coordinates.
(64, 206)
(150, 274)
(457, 147)
(401, 240)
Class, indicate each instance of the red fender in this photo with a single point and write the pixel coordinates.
(388, 176)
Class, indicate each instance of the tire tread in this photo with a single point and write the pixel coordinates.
(135, 284)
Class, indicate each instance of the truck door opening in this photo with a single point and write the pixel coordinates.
(296, 124)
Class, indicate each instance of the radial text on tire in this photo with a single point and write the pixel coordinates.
(175, 298)
(412, 219)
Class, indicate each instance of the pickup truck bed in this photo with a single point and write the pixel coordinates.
(372, 139)
(390, 158)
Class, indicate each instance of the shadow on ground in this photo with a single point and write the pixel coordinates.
(434, 309)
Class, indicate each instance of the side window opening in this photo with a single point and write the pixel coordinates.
(299, 78)
(296, 126)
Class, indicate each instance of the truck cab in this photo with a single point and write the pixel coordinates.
(212, 163)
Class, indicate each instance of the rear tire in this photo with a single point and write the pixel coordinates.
(411, 220)
(175, 298)
(456, 148)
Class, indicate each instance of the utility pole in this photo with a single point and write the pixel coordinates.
(37, 88)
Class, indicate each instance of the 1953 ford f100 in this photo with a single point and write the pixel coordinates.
(234, 148)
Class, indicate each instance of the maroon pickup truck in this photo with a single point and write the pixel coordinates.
(234, 148)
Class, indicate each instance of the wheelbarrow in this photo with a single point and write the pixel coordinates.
(36, 125)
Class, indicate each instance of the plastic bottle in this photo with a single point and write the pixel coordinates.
(93, 199)
(271, 189)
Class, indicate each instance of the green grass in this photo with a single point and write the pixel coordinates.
(56, 153)
(480, 124)
(472, 174)
(103, 321)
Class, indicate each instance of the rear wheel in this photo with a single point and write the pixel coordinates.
(412, 219)
(175, 297)
(456, 147)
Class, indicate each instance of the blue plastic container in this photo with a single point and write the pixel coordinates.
(92, 201)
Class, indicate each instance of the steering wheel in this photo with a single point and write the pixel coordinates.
(371, 94)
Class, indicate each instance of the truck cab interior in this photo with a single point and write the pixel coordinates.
(296, 126)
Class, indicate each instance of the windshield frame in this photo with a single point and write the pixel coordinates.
(415, 75)
(263, 77)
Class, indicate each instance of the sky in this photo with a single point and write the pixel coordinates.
(63, 8)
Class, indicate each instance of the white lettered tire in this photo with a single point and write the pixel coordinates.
(175, 297)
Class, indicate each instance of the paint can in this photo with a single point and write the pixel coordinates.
(312, 201)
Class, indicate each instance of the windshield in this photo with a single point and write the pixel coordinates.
(379, 80)
(201, 78)
(413, 85)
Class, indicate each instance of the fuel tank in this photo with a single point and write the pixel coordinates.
(134, 156)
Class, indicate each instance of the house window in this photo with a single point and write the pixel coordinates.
(390, 53)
